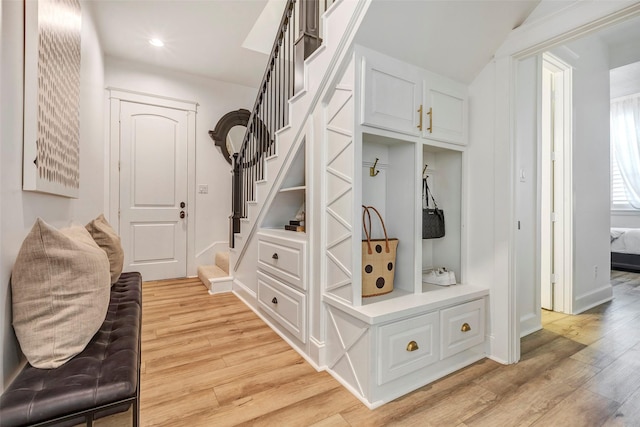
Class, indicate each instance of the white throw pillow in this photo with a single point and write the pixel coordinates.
(60, 293)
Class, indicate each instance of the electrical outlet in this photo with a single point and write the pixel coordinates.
(203, 189)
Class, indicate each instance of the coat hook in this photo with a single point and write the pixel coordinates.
(372, 169)
(424, 169)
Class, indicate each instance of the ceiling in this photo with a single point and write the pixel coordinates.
(453, 38)
(206, 37)
(228, 40)
(202, 37)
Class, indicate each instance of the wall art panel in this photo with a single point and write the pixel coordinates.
(51, 160)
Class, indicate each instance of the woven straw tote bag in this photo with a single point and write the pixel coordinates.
(378, 258)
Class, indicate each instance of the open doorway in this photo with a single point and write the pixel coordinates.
(563, 194)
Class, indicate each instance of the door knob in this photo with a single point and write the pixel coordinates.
(183, 204)
(274, 300)
(182, 215)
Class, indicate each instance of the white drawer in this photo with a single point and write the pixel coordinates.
(287, 306)
(407, 345)
(283, 258)
(462, 327)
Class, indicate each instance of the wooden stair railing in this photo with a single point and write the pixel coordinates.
(296, 39)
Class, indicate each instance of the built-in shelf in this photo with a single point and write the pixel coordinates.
(290, 197)
(278, 232)
(399, 304)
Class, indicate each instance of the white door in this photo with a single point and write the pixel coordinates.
(153, 189)
(555, 127)
(546, 200)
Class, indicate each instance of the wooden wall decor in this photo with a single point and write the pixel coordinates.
(51, 147)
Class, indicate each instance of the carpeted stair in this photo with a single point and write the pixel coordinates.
(216, 277)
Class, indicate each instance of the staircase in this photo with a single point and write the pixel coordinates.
(216, 277)
(291, 88)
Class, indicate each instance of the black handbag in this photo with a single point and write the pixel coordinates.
(432, 219)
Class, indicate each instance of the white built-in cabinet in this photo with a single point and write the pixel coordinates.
(282, 283)
(403, 98)
(402, 118)
(366, 147)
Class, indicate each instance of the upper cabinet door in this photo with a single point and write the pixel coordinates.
(392, 94)
(445, 103)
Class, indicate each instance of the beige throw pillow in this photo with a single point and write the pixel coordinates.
(107, 238)
(60, 293)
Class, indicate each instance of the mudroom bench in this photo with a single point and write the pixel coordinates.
(103, 379)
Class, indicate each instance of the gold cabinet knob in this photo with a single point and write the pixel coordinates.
(465, 327)
(412, 346)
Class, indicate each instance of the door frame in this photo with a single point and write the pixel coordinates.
(112, 158)
(562, 295)
(578, 19)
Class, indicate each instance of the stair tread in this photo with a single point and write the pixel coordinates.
(211, 271)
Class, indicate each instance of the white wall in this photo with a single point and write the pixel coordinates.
(215, 99)
(589, 58)
(625, 220)
(447, 189)
(20, 209)
(480, 198)
(526, 193)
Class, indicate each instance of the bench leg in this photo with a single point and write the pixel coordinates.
(136, 412)
(89, 420)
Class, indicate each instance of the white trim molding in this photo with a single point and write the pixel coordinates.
(114, 97)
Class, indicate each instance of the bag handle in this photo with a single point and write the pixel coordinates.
(429, 193)
(367, 231)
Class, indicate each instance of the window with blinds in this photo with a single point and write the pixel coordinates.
(624, 113)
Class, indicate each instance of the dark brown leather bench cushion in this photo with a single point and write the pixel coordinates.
(106, 371)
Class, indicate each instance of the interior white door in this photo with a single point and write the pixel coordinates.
(555, 127)
(546, 192)
(153, 189)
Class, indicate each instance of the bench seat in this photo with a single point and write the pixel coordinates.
(103, 379)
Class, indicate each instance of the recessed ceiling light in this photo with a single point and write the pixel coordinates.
(156, 42)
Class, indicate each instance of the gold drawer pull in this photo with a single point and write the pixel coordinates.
(465, 327)
(412, 346)
(430, 113)
(420, 111)
(274, 256)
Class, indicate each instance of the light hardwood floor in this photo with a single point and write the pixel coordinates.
(210, 361)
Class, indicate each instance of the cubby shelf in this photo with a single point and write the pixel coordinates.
(291, 196)
(298, 188)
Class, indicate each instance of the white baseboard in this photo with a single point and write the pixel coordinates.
(529, 324)
(592, 299)
(245, 293)
(242, 295)
(317, 351)
(221, 285)
(355, 392)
